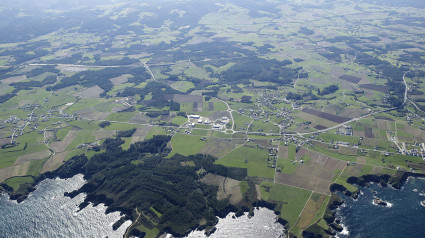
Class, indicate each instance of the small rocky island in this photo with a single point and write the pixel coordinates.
(380, 202)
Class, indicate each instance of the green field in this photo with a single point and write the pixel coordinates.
(15, 182)
(290, 75)
(186, 144)
(255, 160)
(292, 200)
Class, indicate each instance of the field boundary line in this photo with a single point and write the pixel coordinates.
(299, 216)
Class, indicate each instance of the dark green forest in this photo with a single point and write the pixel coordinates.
(143, 178)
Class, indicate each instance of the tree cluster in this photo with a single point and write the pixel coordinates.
(154, 182)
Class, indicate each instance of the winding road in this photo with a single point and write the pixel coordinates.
(406, 88)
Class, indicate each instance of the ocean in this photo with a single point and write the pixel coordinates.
(262, 224)
(48, 213)
(403, 217)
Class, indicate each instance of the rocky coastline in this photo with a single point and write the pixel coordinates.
(396, 181)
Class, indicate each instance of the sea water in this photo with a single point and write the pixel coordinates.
(48, 213)
(262, 224)
(404, 217)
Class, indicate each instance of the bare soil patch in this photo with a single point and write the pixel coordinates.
(119, 80)
(418, 135)
(361, 160)
(227, 187)
(60, 146)
(218, 115)
(14, 79)
(320, 160)
(310, 183)
(369, 142)
(33, 156)
(210, 106)
(325, 115)
(334, 164)
(310, 210)
(368, 132)
(262, 142)
(258, 190)
(320, 127)
(333, 109)
(359, 133)
(376, 170)
(384, 124)
(384, 118)
(218, 147)
(17, 170)
(380, 88)
(347, 150)
(181, 98)
(49, 134)
(4, 141)
(283, 152)
(92, 92)
(350, 78)
(54, 162)
(197, 106)
(352, 112)
(166, 118)
(118, 109)
(140, 134)
(139, 119)
(324, 174)
(103, 134)
(353, 170)
(303, 129)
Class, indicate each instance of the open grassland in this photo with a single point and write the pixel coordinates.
(292, 199)
(254, 159)
(313, 209)
(186, 144)
(83, 136)
(15, 182)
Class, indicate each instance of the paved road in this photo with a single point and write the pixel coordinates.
(406, 88)
(148, 69)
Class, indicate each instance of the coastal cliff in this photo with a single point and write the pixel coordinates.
(396, 181)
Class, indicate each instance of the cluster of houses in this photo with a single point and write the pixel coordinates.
(30, 107)
(12, 120)
(272, 157)
(89, 146)
(345, 130)
(32, 120)
(127, 101)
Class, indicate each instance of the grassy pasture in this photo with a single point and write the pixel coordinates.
(292, 200)
(254, 159)
(186, 144)
(15, 182)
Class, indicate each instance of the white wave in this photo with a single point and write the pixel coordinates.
(344, 230)
(388, 203)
